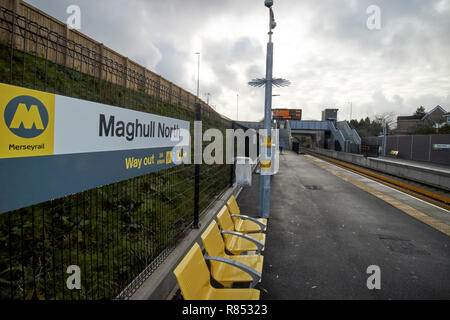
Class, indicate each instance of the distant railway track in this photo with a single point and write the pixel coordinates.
(433, 195)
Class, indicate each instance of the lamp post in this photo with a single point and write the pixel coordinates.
(351, 111)
(266, 146)
(384, 137)
(198, 117)
(237, 107)
(264, 191)
(198, 75)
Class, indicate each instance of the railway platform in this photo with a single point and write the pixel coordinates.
(329, 225)
(424, 173)
(441, 168)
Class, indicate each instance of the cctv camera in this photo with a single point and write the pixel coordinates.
(273, 24)
(268, 3)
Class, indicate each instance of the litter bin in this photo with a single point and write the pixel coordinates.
(243, 171)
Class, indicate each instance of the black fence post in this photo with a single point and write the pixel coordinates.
(198, 117)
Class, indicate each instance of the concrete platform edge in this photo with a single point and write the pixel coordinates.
(427, 176)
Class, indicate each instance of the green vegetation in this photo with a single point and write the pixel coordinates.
(427, 126)
(420, 112)
(112, 232)
(366, 127)
(445, 129)
(428, 129)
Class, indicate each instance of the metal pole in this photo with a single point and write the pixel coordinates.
(264, 209)
(198, 75)
(198, 117)
(351, 110)
(384, 137)
(233, 166)
(237, 108)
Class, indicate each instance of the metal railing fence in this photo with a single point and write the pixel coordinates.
(115, 232)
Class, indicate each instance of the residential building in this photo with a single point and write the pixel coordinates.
(407, 124)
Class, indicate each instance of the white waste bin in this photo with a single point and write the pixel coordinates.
(243, 171)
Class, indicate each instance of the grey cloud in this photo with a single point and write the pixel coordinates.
(246, 49)
(223, 56)
(255, 71)
(401, 66)
(171, 62)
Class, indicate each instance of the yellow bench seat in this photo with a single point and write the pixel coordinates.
(238, 244)
(227, 274)
(194, 280)
(243, 223)
(231, 294)
(247, 226)
(245, 268)
(394, 153)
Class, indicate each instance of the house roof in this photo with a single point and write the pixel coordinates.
(435, 108)
(416, 117)
(409, 118)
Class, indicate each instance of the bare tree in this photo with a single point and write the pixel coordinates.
(389, 117)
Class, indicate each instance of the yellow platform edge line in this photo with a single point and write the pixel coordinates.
(432, 222)
(392, 181)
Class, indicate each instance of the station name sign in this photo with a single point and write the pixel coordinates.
(53, 146)
(441, 146)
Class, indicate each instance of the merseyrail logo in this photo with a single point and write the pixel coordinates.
(26, 117)
(27, 122)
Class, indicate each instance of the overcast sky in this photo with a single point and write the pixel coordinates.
(324, 47)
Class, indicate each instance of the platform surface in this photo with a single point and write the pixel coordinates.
(327, 226)
(417, 164)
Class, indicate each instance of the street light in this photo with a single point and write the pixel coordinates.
(237, 107)
(198, 75)
(351, 110)
(266, 148)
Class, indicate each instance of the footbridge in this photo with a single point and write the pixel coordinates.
(327, 132)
